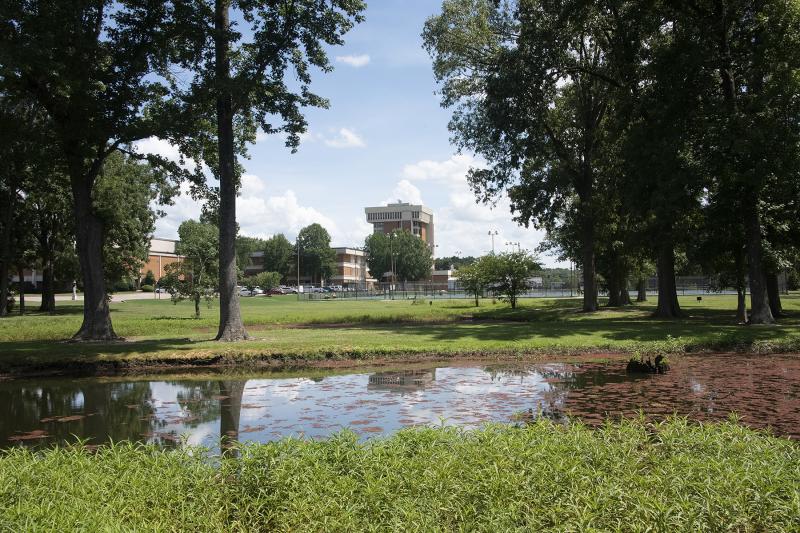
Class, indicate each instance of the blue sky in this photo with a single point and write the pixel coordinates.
(384, 138)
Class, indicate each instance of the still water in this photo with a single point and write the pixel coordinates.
(764, 391)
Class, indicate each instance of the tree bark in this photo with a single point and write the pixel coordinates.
(613, 290)
(668, 306)
(588, 255)
(741, 305)
(641, 290)
(21, 274)
(774, 295)
(5, 250)
(624, 295)
(760, 312)
(197, 306)
(48, 304)
(231, 327)
(89, 233)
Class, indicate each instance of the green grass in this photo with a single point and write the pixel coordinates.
(626, 476)
(285, 329)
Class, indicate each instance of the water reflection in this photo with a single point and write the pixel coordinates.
(223, 411)
(402, 381)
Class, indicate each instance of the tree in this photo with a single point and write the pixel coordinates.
(476, 277)
(278, 256)
(400, 253)
(510, 273)
(149, 278)
(245, 246)
(196, 275)
(266, 281)
(455, 262)
(98, 92)
(532, 83)
(317, 258)
(243, 79)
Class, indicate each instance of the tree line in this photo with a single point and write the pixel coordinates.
(81, 82)
(637, 134)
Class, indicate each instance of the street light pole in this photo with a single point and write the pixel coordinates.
(492, 233)
(297, 245)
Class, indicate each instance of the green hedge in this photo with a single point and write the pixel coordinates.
(674, 476)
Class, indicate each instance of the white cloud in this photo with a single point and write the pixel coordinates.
(462, 224)
(262, 215)
(354, 61)
(452, 171)
(346, 138)
(404, 191)
(258, 213)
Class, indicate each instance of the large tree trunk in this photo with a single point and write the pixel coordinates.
(231, 327)
(668, 306)
(48, 304)
(760, 312)
(5, 250)
(612, 283)
(774, 295)
(624, 295)
(89, 232)
(21, 275)
(588, 256)
(230, 408)
(641, 290)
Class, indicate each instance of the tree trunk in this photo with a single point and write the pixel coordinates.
(624, 295)
(668, 306)
(774, 295)
(21, 274)
(641, 290)
(613, 290)
(48, 304)
(89, 233)
(5, 251)
(760, 312)
(197, 306)
(741, 305)
(588, 255)
(231, 327)
(230, 408)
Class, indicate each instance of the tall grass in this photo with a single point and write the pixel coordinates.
(628, 476)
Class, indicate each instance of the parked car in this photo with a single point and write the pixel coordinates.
(275, 291)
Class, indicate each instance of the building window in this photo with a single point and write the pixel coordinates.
(378, 227)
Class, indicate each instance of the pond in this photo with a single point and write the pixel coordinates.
(171, 411)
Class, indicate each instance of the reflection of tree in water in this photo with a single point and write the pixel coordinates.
(95, 411)
(230, 406)
(563, 381)
(402, 380)
(208, 401)
(197, 401)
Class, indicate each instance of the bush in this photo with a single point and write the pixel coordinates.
(149, 278)
(148, 288)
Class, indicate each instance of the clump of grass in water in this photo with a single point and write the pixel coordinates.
(630, 475)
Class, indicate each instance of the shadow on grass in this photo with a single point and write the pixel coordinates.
(32, 354)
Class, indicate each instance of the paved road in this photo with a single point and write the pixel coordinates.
(116, 297)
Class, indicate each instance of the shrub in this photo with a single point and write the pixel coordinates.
(147, 288)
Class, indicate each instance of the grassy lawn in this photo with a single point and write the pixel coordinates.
(282, 327)
(626, 476)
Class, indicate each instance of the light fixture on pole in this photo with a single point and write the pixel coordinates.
(492, 233)
(512, 244)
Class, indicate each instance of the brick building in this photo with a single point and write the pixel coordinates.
(416, 219)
